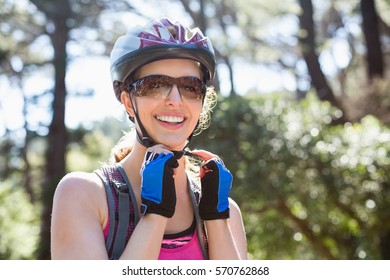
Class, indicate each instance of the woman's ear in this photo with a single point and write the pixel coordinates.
(125, 98)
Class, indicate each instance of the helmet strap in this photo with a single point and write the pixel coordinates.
(142, 137)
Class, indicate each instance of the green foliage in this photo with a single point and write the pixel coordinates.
(308, 189)
(89, 148)
(85, 156)
(19, 228)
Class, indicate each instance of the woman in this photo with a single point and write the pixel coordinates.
(159, 73)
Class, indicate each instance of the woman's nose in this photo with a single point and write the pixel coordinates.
(174, 96)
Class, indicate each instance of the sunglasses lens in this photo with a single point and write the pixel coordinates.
(191, 88)
(153, 86)
(159, 86)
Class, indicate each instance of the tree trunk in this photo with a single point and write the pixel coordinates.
(375, 67)
(57, 136)
(308, 46)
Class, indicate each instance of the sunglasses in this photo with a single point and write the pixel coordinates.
(159, 86)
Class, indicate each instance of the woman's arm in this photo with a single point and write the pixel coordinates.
(225, 229)
(76, 230)
(226, 237)
(79, 215)
(145, 242)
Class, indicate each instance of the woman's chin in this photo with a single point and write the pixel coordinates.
(173, 145)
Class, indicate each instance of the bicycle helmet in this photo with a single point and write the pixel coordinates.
(157, 40)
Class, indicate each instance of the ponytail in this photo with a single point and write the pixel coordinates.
(123, 147)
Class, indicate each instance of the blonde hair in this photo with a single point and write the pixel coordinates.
(126, 142)
(123, 147)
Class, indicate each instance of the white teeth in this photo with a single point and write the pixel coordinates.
(171, 119)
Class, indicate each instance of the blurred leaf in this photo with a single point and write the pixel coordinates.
(19, 227)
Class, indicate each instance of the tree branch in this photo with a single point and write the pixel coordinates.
(302, 225)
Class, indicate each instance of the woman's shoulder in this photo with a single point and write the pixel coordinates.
(79, 184)
(78, 217)
(80, 179)
(234, 206)
(237, 228)
(235, 214)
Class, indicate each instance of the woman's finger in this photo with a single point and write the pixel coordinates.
(159, 149)
(204, 155)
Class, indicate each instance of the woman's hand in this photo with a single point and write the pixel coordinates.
(158, 186)
(216, 182)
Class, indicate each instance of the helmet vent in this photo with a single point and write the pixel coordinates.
(172, 30)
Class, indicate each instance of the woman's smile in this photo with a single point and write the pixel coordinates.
(171, 121)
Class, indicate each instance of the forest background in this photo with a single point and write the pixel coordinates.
(302, 121)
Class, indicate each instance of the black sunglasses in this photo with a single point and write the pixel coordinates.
(159, 86)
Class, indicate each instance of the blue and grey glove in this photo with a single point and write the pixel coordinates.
(216, 184)
(158, 187)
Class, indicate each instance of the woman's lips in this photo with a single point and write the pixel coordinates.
(170, 119)
(171, 122)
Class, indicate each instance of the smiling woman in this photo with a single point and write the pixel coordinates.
(166, 97)
(152, 203)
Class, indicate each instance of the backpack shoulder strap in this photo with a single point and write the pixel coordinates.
(131, 192)
(120, 197)
(195, 198)
(103, 173)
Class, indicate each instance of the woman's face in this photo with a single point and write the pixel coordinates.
(169, 120)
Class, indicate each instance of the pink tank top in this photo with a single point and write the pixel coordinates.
(189, 251)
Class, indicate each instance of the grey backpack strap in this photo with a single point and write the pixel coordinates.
(118, 228)
(131, 192)
(199, 223)
(125, 193)
(111, 208)
(123, 219)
